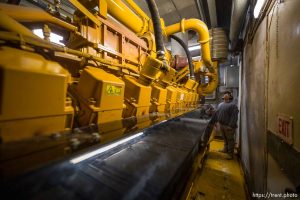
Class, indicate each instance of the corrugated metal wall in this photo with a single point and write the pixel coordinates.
(284, 90)
(253, 136)
(284, 70)
(270, 75)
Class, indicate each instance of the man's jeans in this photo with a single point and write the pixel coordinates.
(228, 135)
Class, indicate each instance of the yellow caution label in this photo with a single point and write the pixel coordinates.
(113, 90)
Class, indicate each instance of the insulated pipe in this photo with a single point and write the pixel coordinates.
(238, 13)
(137, 9)
(188, 54)
(122, 13)
(203, 34)
(9, 24)
(160, 49)
(28, 14)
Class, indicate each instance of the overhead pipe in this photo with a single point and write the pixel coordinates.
(200, 10)
(121, 12)
(212, 13)
(238, 13)
(203, 34)
(137, 9)
(188, 54)
(28, 14)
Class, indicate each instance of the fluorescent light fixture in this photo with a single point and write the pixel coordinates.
(162, 121)
(55, 38)
(206, 79)
(258, 6)
(103, 149)
(192, 48)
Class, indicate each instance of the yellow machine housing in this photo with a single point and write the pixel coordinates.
(137, 97)
(100, 95)
(181, 96)
(171, 99)
(158, 99)
(108, 69)
(33, 95)
(191, 86)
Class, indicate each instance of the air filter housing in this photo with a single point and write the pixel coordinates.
(218, 44)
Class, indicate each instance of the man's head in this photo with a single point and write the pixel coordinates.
(227, 96)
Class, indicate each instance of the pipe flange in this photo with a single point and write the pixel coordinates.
(204, 41)
(160, 54)
(182, 25)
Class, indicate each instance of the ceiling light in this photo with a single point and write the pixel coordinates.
(258, 6)
(103, 149)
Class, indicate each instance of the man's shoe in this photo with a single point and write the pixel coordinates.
(222, 151)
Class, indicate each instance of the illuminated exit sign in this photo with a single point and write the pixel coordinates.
(285, 128)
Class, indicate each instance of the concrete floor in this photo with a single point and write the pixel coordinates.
(219, 178)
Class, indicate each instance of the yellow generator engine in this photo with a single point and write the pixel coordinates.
(100, 95)
(111, 66)
(33, 95)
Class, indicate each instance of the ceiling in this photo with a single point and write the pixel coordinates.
(216, 13)
(172, 11)
(223, 9)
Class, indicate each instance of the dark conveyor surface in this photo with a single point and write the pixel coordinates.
(153, 165)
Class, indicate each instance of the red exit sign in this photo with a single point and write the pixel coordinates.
(285, 128)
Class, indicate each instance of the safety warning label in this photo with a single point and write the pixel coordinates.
(113, 90)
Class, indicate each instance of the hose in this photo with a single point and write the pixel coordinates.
(160, 50)
(188, 54)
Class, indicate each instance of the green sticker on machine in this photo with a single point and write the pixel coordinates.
(113, 90)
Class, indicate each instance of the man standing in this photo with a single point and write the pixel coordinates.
(226, 118)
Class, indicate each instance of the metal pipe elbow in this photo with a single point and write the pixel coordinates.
(203, 34)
